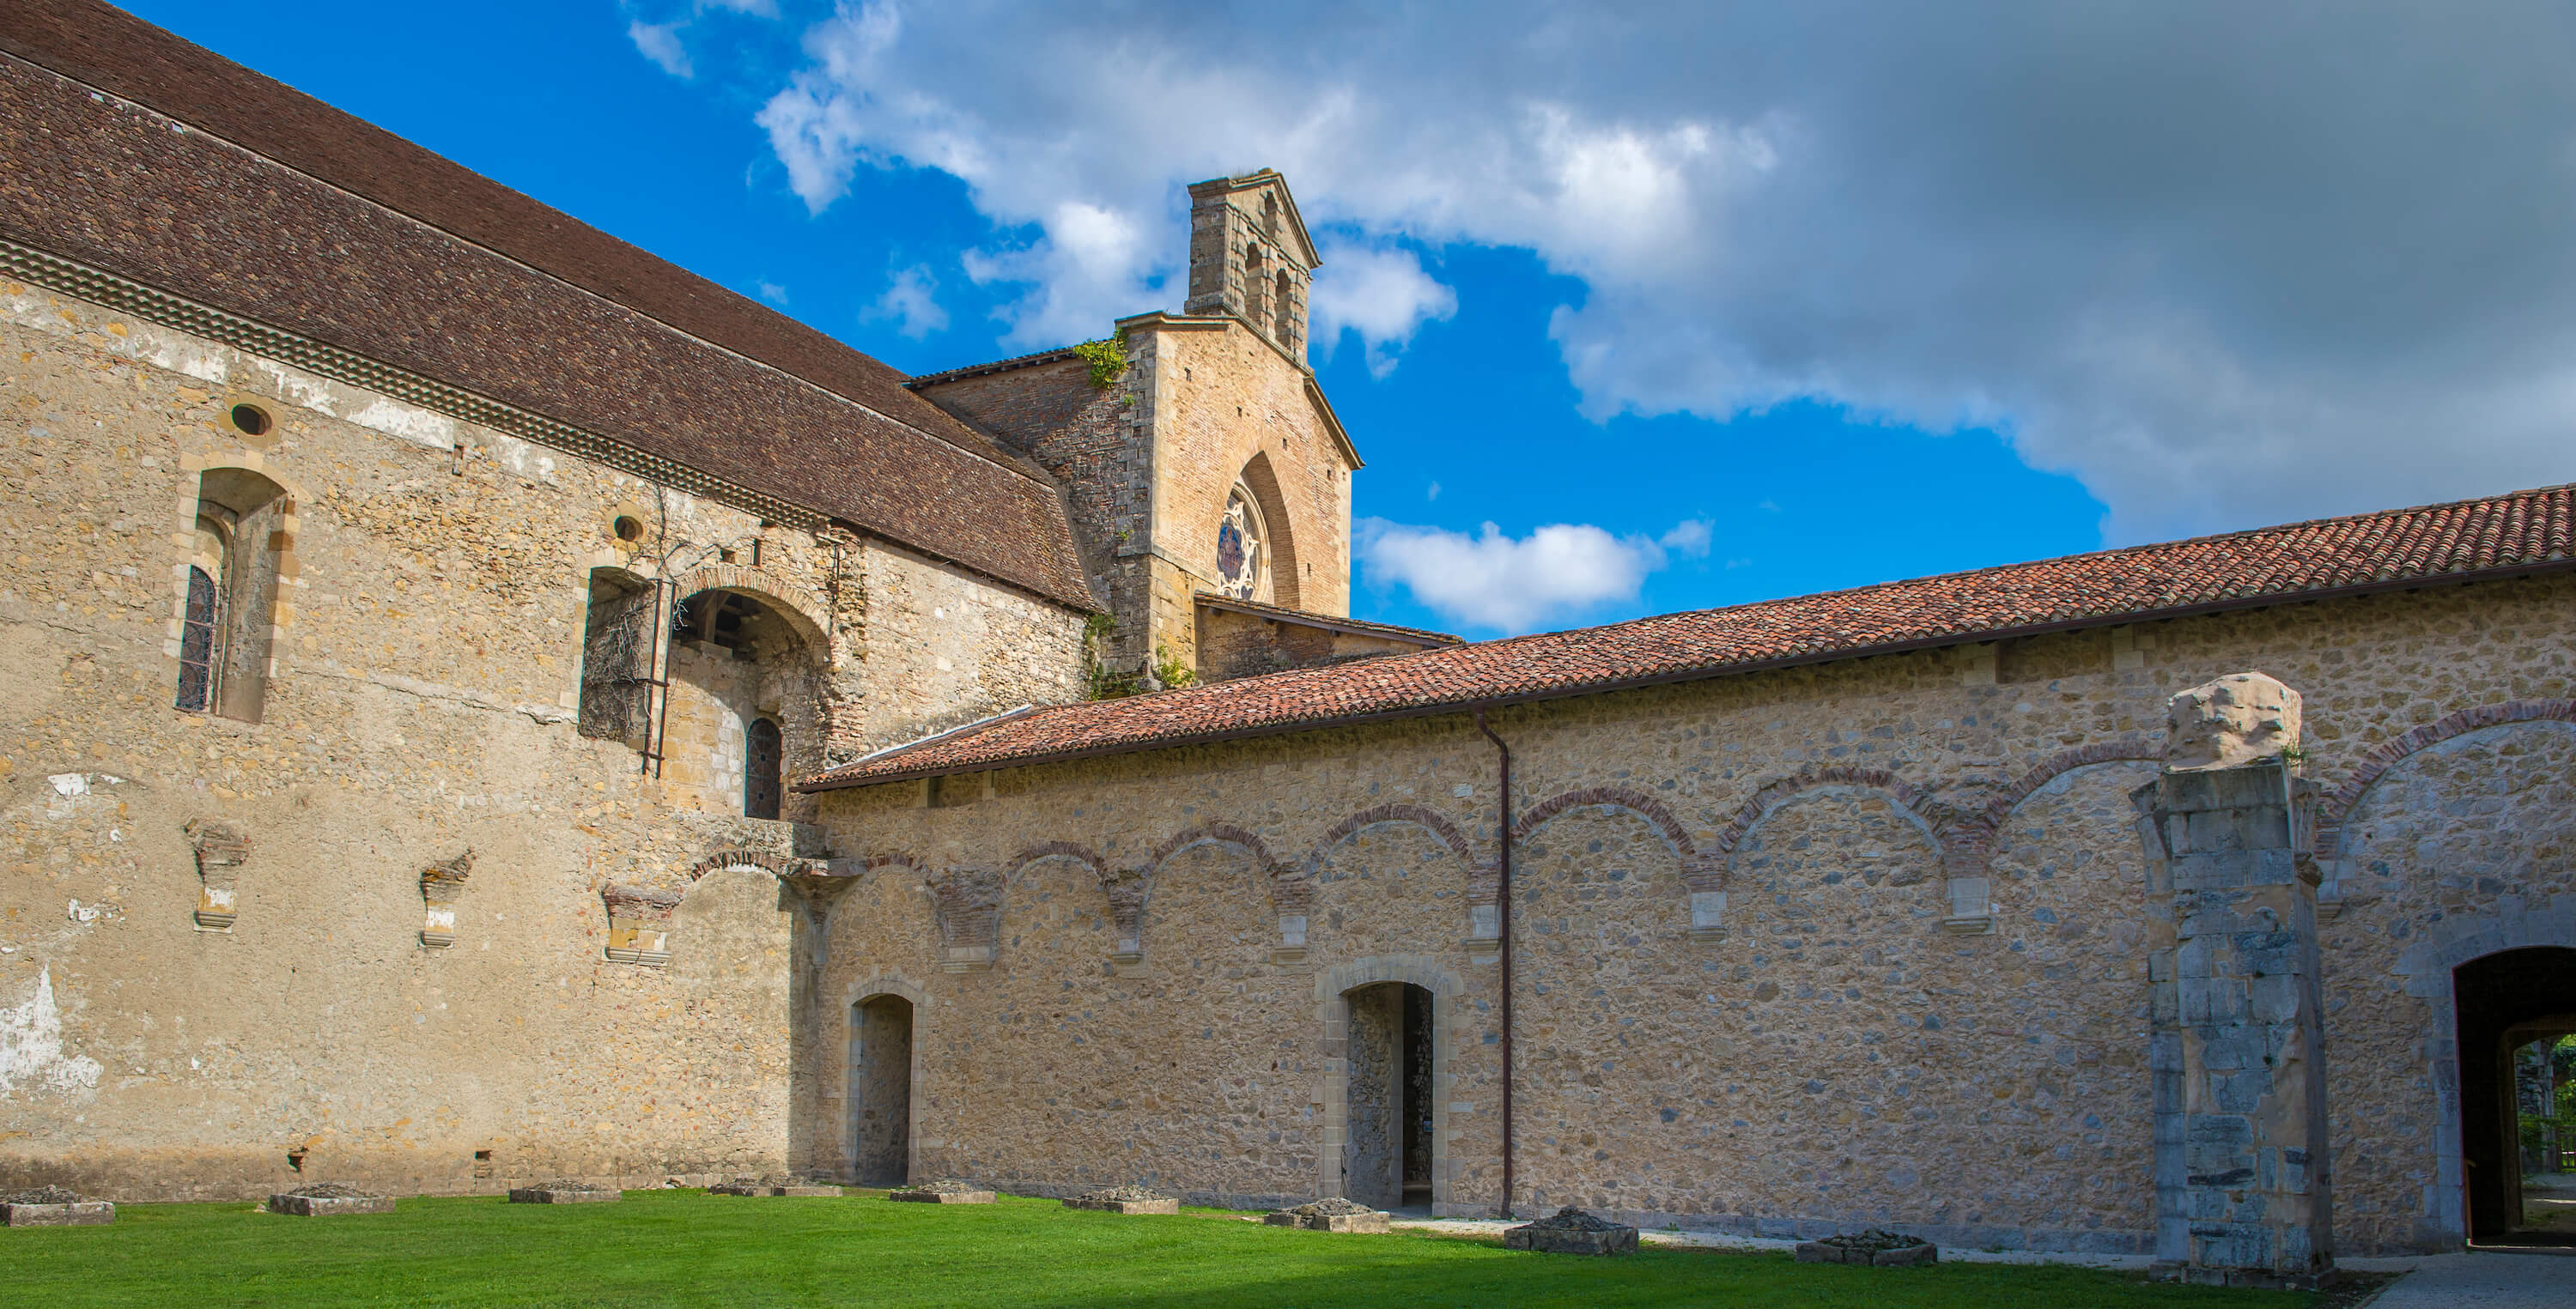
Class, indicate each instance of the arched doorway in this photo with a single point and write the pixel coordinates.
(2507, 1003)
(1386, 1156)
(880, 1090)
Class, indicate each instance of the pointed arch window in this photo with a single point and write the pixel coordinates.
(198, 657)
(1243, 548)
(1286, 332)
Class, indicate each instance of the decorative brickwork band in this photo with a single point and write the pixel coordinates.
(221, 848)
(639, 924)
(2327, 842)
(786, 868)
(1968, 845)
(969, 903)
(440, 884)
(1702, 874)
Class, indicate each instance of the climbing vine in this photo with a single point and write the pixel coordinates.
(1106, 357)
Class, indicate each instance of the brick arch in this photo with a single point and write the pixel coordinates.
(1081, 854)
(802, 609)
(1438, 824)
(2377, 761)
(1292, 886)
(1839, 778)
(780, 866)
(1975, 835)
(1609, 797)
(1211, 834)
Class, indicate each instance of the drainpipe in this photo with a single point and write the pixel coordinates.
(1503, 939)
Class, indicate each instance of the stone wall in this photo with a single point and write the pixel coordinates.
(422, 675)
(1856, 943)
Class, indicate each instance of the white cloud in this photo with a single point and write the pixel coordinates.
(2161, 245)
(660, 42)
(911, 299)
(1491, 581)
(1433, 493)
(773, 293)
(1379, 292)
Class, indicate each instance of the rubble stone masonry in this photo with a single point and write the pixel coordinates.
(1920, 994)
(212, 951)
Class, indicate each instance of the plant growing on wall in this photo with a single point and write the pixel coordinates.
(1107, 359)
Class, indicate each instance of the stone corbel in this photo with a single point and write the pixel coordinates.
(1484, 914)
(440, 884)
(1705, 877)
(639, 924)
(970, 918)
(1970, 887)
(221, 848)
(1126, 891)
(1292, 893)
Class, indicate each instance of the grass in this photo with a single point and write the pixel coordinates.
(689, 1248)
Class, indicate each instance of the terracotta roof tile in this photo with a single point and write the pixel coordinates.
(2504, 534)
(278, 208)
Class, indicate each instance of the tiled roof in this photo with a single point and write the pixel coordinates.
(275, 207)
(1055, 355)
(2471, 539)
(1362, 626)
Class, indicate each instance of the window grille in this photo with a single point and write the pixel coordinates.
(617, 673)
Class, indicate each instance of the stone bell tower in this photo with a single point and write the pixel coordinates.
(1250, 257)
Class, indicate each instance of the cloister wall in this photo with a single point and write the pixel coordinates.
(1839, 1044)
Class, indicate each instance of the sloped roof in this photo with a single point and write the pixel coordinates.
(270, 205)
(2468, 540)
(1357, 626)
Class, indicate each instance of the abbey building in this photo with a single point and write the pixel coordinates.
(482, 703)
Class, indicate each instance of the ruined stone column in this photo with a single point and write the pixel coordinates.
(2242, 1186)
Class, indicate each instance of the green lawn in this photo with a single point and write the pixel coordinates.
(688, 1248)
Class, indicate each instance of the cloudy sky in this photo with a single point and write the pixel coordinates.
(1631, 306)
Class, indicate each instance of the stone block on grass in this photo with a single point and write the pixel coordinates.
(947, 1190)
(803, 1189)
(1126, 1200)
(53, 1206)
(1572, 1231)
(565, 1193)
(1870, 1249)
(1331, 1214)
(329, 1200)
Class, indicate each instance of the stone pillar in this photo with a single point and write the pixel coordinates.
(2241, 1151)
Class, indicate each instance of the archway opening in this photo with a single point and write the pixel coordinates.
(881, 1090)
(744, 702)
(2515, 1008)
(1386, 1159)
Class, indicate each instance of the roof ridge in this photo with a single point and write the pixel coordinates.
(2485, 538)
(56, 62)
(993, 366)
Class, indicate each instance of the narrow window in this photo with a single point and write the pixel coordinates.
(1286, 330)
(227, 618)
(197, 643)
(763, 762)
(1270, 214)
(1256, 283)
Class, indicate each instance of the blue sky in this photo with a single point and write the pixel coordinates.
(1689, 311)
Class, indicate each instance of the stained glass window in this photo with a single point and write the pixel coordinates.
(197, 644)
(1242, 555)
